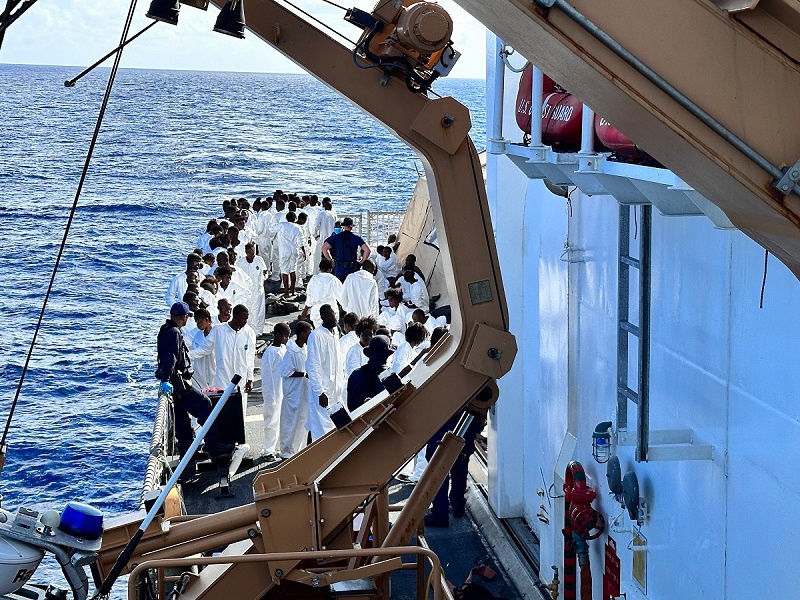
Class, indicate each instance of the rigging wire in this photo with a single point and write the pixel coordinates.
(319, 22)
(336, 5)
(72, 212)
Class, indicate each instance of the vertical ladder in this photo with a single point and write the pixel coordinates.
(628, 268)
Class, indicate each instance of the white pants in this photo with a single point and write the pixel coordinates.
(293, 416)
(272, 419)
(258, 311)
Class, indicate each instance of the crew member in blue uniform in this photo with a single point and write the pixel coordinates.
(345, 247)
(454, 487)
(175, 374)
(365, 382)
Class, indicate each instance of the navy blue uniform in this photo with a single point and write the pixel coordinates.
(362, 384)
(344, 249)
(456, 481)
(173, 360)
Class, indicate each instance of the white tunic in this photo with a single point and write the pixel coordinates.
(360, 294)
(346, 342)
(294, 409)
(325, 222)
(402, 357)
(204, 367)
(418, 295)
(355, 359)
(257, 272)
(235, 293)
(323, 288)
(234, 354)
(289, 240)
(176, 289)
(325, 376)
(390, 267)
(272, 394)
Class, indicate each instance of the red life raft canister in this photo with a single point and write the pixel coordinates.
(616, 141)
(523, 104)
(560, 112)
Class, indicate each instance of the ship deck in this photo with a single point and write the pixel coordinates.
(461, 547)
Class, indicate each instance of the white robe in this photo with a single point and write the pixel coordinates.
(289, 240)
(355, 359)
(257, 272)
(346, 342)
(204, 367)
(325, 222)
(234, 354)
(390, 267)
(176, 289)
(418, 295)
(272, 394)
(294, 409)
(402, 357)
(360, 294)
(325, 376)
(323, 288)
(235, 294)
(264, 237)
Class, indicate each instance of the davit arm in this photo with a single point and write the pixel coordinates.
(307, 503)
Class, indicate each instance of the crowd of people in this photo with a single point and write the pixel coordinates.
(365, 315)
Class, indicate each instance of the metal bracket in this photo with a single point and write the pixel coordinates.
(790, 177)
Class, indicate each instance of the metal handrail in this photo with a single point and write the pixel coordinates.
(436, 566)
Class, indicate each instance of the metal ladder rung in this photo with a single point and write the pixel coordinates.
(629, 394)
(629, 327)
(630, 261)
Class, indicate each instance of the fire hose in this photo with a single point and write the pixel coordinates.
(581, 524)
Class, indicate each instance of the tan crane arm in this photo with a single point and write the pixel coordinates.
(308, 502)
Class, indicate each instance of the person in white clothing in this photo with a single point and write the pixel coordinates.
(289, 240)
(278, 212)
(237, 275)
(389, 264)
(323, 288)
(235, 292)
(272, 389)
(178, 284)
(326, 220)
(350, 337)
(417, 296)
(365, 330)
(325, 375)
(393, 316)
(294, 410)
(305, 256)
(234, 348)
(253, 266)
(263, 236)
(415, 335)
(360, 291)
(204, 367)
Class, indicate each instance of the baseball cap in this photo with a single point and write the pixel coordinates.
(379, 347)
(180, 309)
(347, 222)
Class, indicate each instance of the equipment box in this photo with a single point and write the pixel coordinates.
(231, 419)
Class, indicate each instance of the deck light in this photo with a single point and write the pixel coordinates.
(231, 19)
(601, 442)
(164, 10)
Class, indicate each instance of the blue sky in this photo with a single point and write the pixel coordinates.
(78, 32)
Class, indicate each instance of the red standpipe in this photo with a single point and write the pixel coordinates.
(581, 524)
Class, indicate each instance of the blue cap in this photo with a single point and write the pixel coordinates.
(180, 309)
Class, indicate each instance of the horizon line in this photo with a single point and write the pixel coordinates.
(190, 70)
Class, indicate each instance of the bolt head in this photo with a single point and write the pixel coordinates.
(266, 512)
(795, 174)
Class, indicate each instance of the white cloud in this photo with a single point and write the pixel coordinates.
(76, 32)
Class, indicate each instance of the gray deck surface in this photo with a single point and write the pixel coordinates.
(459, 547)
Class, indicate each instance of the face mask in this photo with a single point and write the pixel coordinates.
(337, 230)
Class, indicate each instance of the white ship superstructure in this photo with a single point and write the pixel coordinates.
(705, 414)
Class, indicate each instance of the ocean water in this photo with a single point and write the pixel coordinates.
(174, 145)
